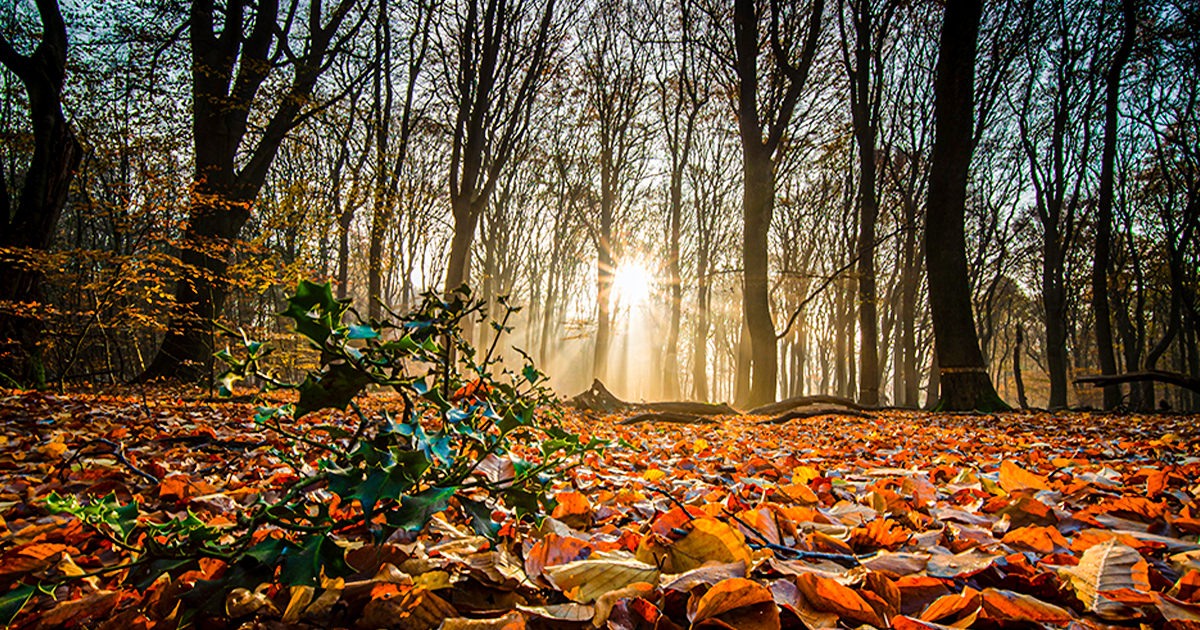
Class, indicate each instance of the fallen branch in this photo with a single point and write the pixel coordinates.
(784, 418)
(804, 401)
(674, 418)
(1174, 378)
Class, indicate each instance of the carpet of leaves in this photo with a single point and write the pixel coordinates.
(907, 520)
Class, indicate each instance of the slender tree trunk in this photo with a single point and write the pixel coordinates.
(1054, 304)
(700, 339)
(964, 379)
(1016, 358)
(604, 263)
(671, 358)
(1100, 264)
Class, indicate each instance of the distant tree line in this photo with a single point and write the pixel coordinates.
(901, 203)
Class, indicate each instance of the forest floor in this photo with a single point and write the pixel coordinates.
(905, 520)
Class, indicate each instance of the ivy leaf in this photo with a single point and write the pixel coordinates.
(332, 389)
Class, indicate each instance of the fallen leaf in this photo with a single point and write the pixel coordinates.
(739, 603)
(605, 602)
(583, 581)
(1107, 567)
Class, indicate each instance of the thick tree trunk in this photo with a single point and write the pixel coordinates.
(758, 203)
(31, 225)
(186, 353)
(964, 380)
(1100, 265)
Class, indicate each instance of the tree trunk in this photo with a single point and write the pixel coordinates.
(671, 356)
(758, 203)
(228, 69)
(1054, 304)
(964, 380)
(1100, 265)
(1020, 382)
(700, 339)
(31, 225)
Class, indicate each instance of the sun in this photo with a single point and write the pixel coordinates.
(632, 283)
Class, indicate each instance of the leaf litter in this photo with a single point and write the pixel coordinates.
(901, 520)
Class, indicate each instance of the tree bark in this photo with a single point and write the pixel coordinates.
(484, 142)
(760, 150)
(1100, 264)
(964, 380)
(1017, 378)
(228, 69)
(31, 225)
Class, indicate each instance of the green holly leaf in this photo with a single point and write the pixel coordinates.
(481, 517)
(332, 389)
(302, 566)
(416, 510)
(316, 312)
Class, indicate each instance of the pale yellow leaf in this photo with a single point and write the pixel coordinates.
(584, 580)
(1107, 567)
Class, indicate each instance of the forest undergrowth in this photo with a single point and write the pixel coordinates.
(902, 520)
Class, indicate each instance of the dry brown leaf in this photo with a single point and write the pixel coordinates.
(738, 602)
(709, 540)
(787, 595)
(1108, 566)
(73, 612)
(708, 574)
(561, 612)
(605, 602)
(583, 581)
(241, 602)
(830, 596)
(1008, 606)
(513, 620)
(299, 600)
(413, 609)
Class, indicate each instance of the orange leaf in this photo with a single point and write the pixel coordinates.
(1008, 606)
(573, 509)
(739, 603)
(831, 596)
(1043, 540)
(1013, 478)
(954, 608)
(554, 550)
(1187, 588)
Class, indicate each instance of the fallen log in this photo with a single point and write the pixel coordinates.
(598, 398)
(666, 416)
(804, 401)
(796, 414)
(694, 408)
(1174, 378)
